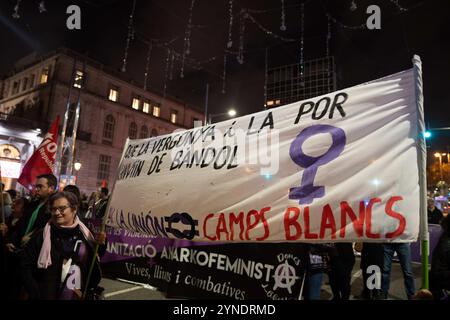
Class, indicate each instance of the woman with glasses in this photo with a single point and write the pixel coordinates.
(55, 262)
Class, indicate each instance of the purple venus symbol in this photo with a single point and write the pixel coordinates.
(307, 192)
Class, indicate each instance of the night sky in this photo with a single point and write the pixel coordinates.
(361, 55)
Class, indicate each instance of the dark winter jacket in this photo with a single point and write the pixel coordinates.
(46, 284)
(40, 222)
(440, 265)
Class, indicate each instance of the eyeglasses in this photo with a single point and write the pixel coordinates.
(60, 209)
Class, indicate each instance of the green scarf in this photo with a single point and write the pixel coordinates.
(33, 218)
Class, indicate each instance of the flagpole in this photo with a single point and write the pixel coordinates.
(105, 217)
(66, 118)
(75, 127)
(422, 164)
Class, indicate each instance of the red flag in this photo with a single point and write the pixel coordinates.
(43, 159)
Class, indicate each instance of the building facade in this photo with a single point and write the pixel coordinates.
(286, 84)
(112, 108)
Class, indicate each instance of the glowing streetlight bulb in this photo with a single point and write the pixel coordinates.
(232, 112)
(77, 166)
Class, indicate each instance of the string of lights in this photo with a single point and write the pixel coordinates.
(147, 64)
(172, 58)
(283, 17)
(224, 74)
(187, 39)
(242, 18)
(399, 7)
(166, 72)
(244, 14)
(16, 14)
(344, 26)
(230, 24)
(267, 31)
(302, 39)
(130, 37)
(328, 37)
(42, 7)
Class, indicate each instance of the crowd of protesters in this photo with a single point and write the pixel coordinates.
(338, 259)
(47, 251)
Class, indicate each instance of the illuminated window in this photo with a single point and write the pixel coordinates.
(44, 75)
(78, 81)
(132, 130)
(113, 94)
(146, 107)
(173, 116)
(136, 102)
(270, 103)
(156, 111)
(277, 102)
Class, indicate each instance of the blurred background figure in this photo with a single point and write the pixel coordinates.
(93, 198)
(440, 264)
(434, 214)
(7, 201)
(12, 194)
(342, 260)
(10, 287)
(74, 189)
(101, 204)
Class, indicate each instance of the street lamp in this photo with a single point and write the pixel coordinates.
(77, 167)
(231, 113)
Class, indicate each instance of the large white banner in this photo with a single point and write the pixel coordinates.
(339, 167)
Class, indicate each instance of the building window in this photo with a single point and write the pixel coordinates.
(113, 93)
(79, 79)
(144, 132)
(156, 111)
(146, 107)
(104, 165)
(25, 84)
(173, 116)
(132, 130)
(45, 75)
(154, 133)
(135, 103)
(108, 129)
(32, 77)
(15, 87)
